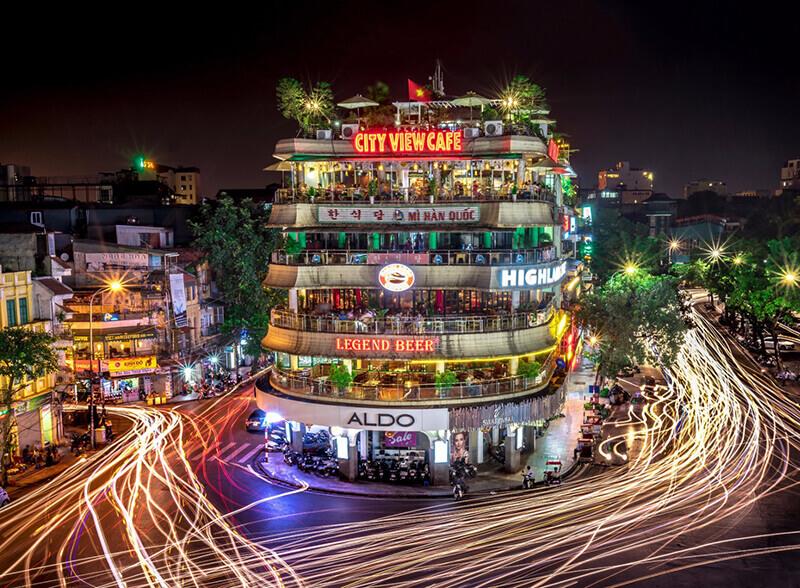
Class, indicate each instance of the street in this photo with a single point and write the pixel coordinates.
(176, 501)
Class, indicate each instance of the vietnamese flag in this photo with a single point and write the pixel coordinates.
(418, 93)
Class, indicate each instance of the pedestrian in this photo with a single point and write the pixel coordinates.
(49, 459)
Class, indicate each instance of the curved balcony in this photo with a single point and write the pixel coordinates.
(428, 346)
(409, 325)
(441, 215)
(435, 257)
(448, 277)
(352, 195)
(409, 392)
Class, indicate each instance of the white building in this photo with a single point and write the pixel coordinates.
(635, 184)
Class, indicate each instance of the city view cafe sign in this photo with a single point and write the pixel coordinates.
(405, 142)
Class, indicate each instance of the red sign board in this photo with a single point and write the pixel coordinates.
(371, 142)
(399, 345)
(553, 150)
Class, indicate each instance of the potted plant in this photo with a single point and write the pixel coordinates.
(372, 190)
(340, 377)
(529, 369)
(444, 381)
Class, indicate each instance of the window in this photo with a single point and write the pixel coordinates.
(11, 311)
(23, 311)
(36, 218)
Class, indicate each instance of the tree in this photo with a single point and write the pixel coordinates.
(523, 102)
(237, 245)
(24, 356)
(382, 115)
(636, 317)
(618, 241)
(312, 108)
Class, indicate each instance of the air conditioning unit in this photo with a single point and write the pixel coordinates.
(349, 131)
(324, 135)
(493, 128)
(471, 133)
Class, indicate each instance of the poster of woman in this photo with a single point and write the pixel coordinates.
(460, 447)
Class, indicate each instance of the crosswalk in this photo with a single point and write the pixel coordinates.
(233, 452)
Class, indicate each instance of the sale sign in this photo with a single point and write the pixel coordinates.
(400, 439)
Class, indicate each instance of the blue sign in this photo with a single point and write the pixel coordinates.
(110, 316)
(437, 259)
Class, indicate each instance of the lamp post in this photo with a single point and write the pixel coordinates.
(113, 286)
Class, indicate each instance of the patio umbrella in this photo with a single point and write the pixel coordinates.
(358, 102)
(470, 99)
(281, 166)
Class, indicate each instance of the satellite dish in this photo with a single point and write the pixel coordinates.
(64, 256)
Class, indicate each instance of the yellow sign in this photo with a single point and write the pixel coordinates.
(132, 364)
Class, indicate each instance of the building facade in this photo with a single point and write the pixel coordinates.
(790, 175)
(705, 185)
(634, 184)
(37, 414)
(424, 271)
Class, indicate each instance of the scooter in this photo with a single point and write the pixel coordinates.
(528, 478)
(459, 488)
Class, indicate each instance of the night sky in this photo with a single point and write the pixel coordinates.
(684, 90)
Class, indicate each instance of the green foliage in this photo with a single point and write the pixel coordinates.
(569, 191)
(523, 102)
(444, 380)
(631, 314)
(237, 245)
(382, 115)
(340, 376)
(312, 108)
(618, 241)
(25, 355)
(529, 369)
(489, 113)
(292, 246)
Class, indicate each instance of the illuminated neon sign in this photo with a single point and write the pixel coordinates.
(396, 277)
(409, 142)
(401, 345)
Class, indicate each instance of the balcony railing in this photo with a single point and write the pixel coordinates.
(407, 391)
(536, 193)
(409, 325)
(435, 257)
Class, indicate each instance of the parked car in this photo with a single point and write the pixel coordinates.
(4, 497)
(256, 422)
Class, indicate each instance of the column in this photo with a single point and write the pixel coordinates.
(348, 363)
(293, 299)
(439, 367)
(512, 463)
(513, 365)
(293, 362)
(476, 447)
(363, 442)
(298, 430)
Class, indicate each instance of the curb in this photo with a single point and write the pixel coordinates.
(437, 495)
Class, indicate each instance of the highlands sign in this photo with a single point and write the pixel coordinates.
(530, 276)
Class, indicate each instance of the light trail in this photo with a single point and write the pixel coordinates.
(699, 455)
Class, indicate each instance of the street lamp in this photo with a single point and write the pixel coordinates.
(113, 286)
(789, 278)
(630, 268)
(673, 246)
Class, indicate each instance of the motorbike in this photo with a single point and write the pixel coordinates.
(459, 488)
(528, 479)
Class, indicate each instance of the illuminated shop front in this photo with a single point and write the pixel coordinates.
(424, 275)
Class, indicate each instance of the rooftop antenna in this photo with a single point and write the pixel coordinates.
(437, 81)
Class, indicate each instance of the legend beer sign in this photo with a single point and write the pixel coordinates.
(426, 142)
(530, 277)
(387, 344)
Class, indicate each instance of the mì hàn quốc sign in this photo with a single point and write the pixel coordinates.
(423, 142)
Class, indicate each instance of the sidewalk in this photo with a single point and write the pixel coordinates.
(559, 440)
(33, 477)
